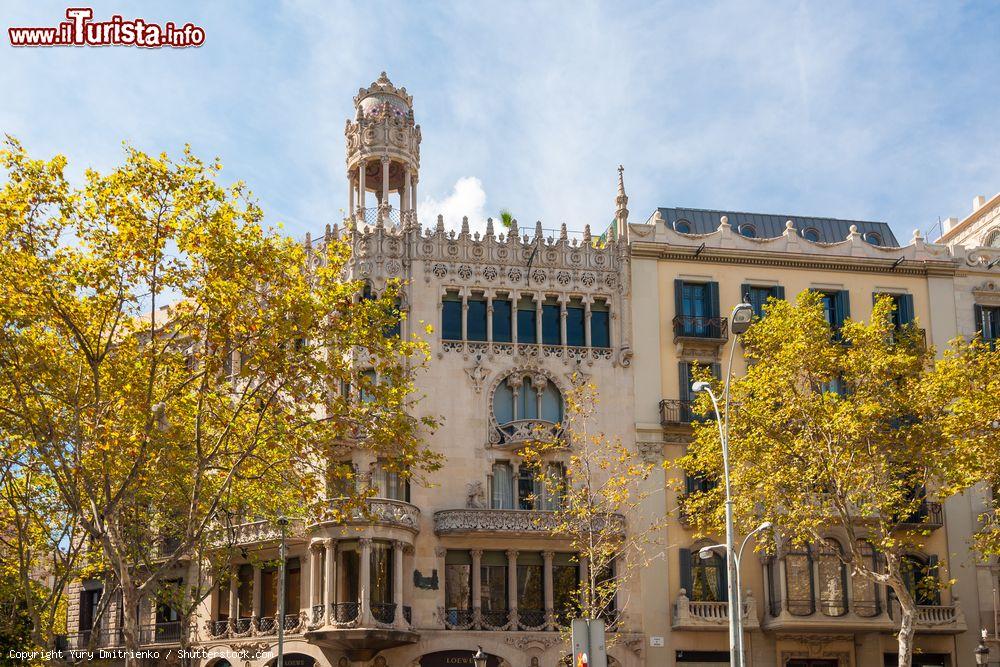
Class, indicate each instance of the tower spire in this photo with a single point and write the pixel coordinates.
(621, 203)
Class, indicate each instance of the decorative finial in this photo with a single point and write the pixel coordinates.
(621, 201)
(440, 224)
(789, 224)
(724, 221)
(538, 229)
(465, 225)
(562, 232)
(489, 227)
(309, 241)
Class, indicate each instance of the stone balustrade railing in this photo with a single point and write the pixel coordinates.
(696, 614)
(478, 521)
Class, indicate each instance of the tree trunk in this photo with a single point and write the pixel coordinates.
(908, 612)
(131, 607)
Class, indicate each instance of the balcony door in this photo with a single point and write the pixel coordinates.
(695, 308)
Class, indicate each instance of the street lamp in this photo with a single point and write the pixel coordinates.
(740, 320)
(480, 658)
(283, 522)
(982, 651)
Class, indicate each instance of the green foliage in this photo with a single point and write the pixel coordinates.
(851, 432)
(150, 421)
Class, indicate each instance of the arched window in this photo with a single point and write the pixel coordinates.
(873, 237)
(708, 578)
(992, 239)
(832, 576)
(799, 581)
(866, 598)
(920, 578)
(811, 234)
(748, 231)
(520, 397)
(682, 226)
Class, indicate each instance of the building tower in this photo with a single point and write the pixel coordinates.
(383, 155)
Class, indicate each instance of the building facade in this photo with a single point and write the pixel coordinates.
(519, 316)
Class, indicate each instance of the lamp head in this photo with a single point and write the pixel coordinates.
(764, 526)
(741, 318)
(479, 658)
(700, 386)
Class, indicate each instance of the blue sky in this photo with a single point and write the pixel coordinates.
(879, 111)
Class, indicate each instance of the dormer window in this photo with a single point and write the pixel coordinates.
(748, 231)
(682, 226)
(811, 234)
(873, 237)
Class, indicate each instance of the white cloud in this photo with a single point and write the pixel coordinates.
(467, 198)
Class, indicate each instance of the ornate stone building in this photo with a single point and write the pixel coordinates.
(518, 315)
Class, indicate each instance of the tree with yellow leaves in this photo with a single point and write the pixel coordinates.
(596, 494)
(166, 360)
(856, 433)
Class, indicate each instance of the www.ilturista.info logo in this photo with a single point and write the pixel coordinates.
(79, 30)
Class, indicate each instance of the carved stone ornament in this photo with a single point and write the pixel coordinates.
(539, 642)
(475, 496)
(651, 452)
(477, 375)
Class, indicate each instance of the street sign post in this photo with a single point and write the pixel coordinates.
(588, 643)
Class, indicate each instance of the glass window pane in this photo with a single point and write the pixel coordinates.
(458, 586)
(551, 404)
(476, 327)
(798, 580)
(832, 574)
(600, 325)
(380, 578)
(706, 578)
(529, 586)
(551, 331)
(502, 491)
(527, 401)
(526, 321)
(575, 317)
(451, 317)
(501, 321)
(503, 403)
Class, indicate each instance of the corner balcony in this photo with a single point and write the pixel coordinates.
(361, 630)
(520, 432)
(524, 523)
(377, 512)
(698, 615)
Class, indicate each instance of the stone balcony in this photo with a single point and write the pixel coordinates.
(518, 433)
(931, 619)
(376, 512)
(507, 522)
(697, 615)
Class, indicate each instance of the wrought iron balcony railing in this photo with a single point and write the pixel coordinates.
(928, 515)
(706, 328)
(676, 412)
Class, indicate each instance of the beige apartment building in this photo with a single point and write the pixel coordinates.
(519, 315)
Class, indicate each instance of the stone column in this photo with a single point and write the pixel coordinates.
(413, 191)
(562, 322)
(397, 582)
(350, 195)
(385, 181)
(440, 554)
(477, 587)
(256, 592)
(234, 598)
(465, 317)
(586, 322)
(489, 318)
(538, 320)
(315, 575)
(404, 199)
(512, 587)
(513, 317)
(547, 584)
(364, 581)
(361, 186)
(330, 579)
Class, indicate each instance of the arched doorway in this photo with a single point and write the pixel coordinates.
(454, 658)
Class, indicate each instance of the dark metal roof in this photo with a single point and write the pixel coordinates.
(766, 225)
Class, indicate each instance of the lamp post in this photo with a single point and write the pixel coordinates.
(739, 320)
(706, 552)
(982, 651)
(283, 523)
(480, 658)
